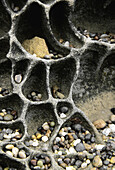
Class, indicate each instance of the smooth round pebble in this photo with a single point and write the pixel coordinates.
(8, 117)
(22, 154)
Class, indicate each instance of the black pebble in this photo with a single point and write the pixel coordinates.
(113, 110)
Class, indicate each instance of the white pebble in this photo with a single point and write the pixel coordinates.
(15, 151)
(99, 147)
(60, 153)
(58, 139)
(88, 161)
(72, 150)
(7, 136)
(70, 168)
(106, 131)
(66, 44)
(112, 127)
(64, 133)
(45, 126)
(62, 116)
(84, 165)
(9, 153)
(44, 138)
(75, 142)
(35, 143)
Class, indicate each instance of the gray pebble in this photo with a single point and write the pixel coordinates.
(80, 147)
(8, 117)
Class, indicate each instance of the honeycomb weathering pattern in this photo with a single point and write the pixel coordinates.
(82, 64)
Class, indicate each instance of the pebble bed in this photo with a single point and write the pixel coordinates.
(17, 152)
(7, 134)
(3, 92)
(42, 134)
(53, 55)
(8, 114)
(35, 96)
(7, 168)
(104, 37)
(74, 139)
(40, 162)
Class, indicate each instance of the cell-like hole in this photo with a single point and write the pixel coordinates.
(74, 136)
(107, 72)
(20, 70)
(43, 119)
(64, 109)
(28, 26)
(86, 83)
(61, 77)
(95, 20)
(35, 88)
(5, 21)
(16, 151)
(4, 48)
(61, 28)
(11, 132)
(8, 163)
(40, 161)
(10, 108)
(5, 77)
(47, 1)
(16, 5)
(31, 34)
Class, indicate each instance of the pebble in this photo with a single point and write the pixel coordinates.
(15, 151)
(22, 154)
(9, 146)
(18, 78)
(64, 109)
(3, 92)
(34, 96)
(112, 160)
(112, 118)
(80, 147)
(62, 116)
(44, 138)
(97, 162)
(8, 117)
(45, 126)
(99, 124)
(84, 165)
(9, 153)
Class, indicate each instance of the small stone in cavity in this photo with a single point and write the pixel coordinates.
(18, 78)
(44, 138)
(9, 146)
(22, 154)
(8, 117)
(80, 147)
(47, 160)
(99, 124)
(40, 163)
(45, 126)
(15, 151)
(84, 165)
(34, 162)
(52, 124)
(9, 153)
(64, 109)
(97, 162)
(62, 116)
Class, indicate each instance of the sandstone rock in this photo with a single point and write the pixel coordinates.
(99, 124)
(36, 46)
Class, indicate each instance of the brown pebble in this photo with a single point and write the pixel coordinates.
(47, 160)
(63, 165)
(99, 124)
(97, 162)
(34, 162)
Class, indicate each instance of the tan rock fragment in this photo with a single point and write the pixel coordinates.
(99, 124)
(36, 46)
